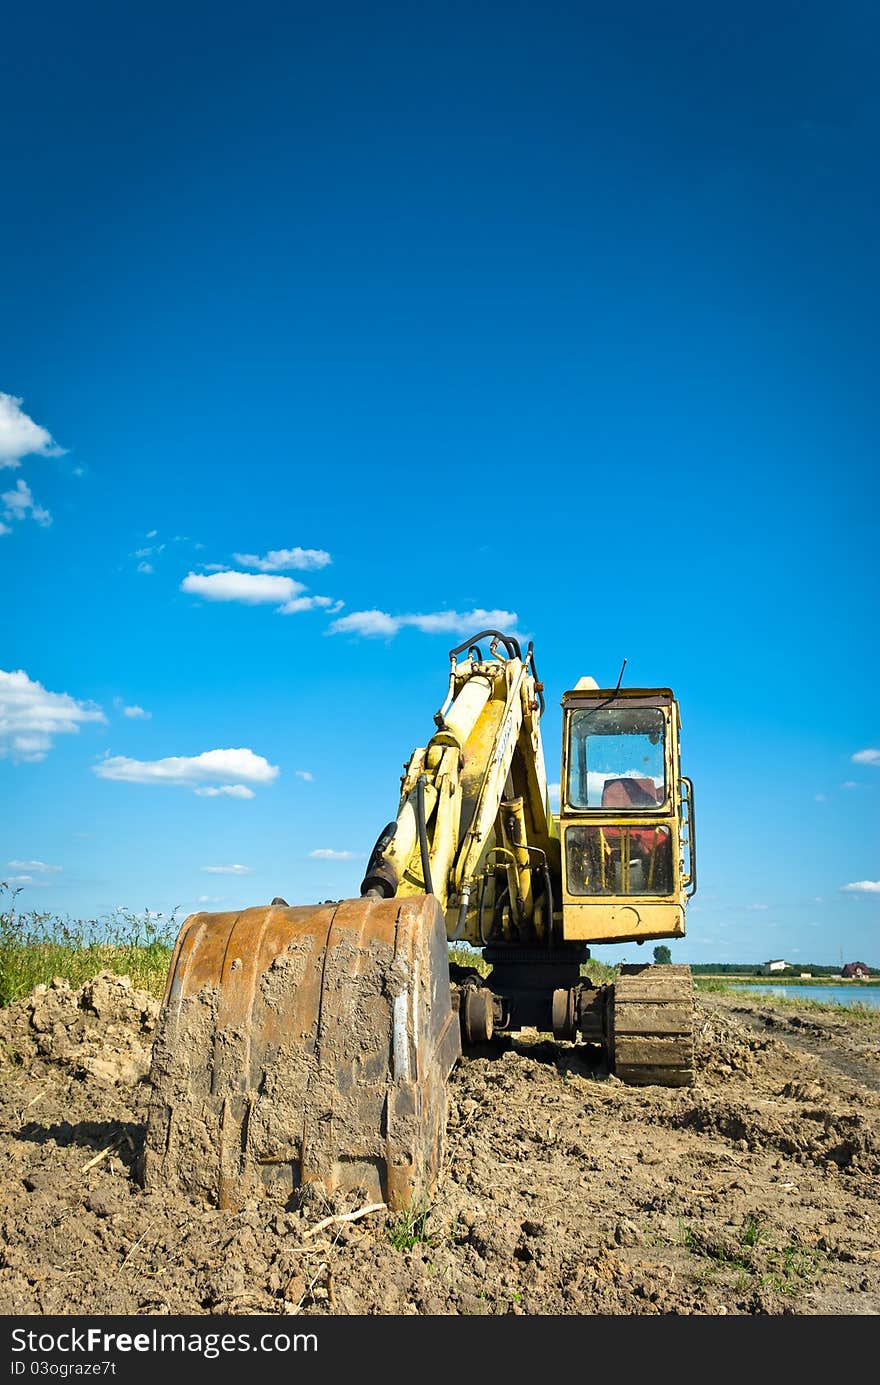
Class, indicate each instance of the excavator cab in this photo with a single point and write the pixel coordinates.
(626, 816)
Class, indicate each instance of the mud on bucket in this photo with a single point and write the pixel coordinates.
(301, 1045)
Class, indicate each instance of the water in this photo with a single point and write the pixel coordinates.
(828, 995)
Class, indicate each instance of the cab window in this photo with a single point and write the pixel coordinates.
(621, 860)
(616, 759)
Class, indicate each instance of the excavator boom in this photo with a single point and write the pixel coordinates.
(455, 809)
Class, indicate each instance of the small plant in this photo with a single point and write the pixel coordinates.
(687, 1236)
(792, 1267)
(410, 1228)
(779, 1269)
(752, 1232)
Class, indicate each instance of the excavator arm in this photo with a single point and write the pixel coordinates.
(474, 802)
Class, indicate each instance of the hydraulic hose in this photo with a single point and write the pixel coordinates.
(548, 890)
(462, 913)
(423, 834)
(510, 642)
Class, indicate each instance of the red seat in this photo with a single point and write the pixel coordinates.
(633, 793)
(630, 793)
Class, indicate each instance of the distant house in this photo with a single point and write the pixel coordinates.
(776, 965)
(856, 971)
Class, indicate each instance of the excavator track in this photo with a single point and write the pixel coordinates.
(304, 1045)
(652, 1038)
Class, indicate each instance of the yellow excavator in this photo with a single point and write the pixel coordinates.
(314, 1044)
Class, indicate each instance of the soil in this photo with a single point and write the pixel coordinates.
(564, 1191)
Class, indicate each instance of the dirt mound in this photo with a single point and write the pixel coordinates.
(565, 1191)
(102, 1031)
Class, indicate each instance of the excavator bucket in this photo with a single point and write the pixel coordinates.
(304, 1045)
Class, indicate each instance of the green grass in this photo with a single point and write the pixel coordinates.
(461, 956)
(866, 1016)
(598, 972)
(756, 1261)
(857, 1011)
(752, 1232)
(35, 948)
(713, 985)
(409, 1228)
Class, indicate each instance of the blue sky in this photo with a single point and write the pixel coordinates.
(562, 311)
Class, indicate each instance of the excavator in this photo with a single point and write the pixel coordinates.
(314, 1044)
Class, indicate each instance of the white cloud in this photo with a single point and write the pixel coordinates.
(30, 716)
(20, 436)
(325, 853)
(210, 899)
(37, 867)
(820, 798)
(305, 774)
(866, 757)
(753, 907)
(370, 623)
(228, 870)
(379, 624)
(850, 784)
(555, 791)
(145, 555)
(230, 791)
(863, 887)
(134, 712)
(310, 603)
(285, 559)
(192, 770)
(255, 589)
(19, 504)
(19, 501)
(451, 622)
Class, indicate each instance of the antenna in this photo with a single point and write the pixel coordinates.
(588, 711)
